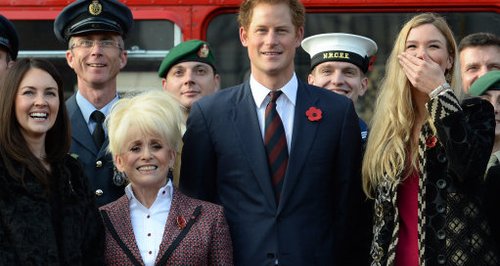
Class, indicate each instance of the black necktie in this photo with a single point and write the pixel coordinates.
(275, 143)
(98, 133)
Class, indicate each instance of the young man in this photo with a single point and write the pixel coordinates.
(479, 53)
(188, 73)
(9, 45)
(339, 63)
(94, 32)
(281, 156)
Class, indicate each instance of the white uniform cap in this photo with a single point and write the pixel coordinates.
(344, 47)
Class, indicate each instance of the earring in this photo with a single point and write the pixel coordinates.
(447, 76)
(119, 178)
(170, 174)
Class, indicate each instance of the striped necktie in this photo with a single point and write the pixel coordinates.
(275, 143)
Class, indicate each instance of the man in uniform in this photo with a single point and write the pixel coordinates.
(9, 44)
(94, 31)
(188, 73)
(479, 54)
(339, 63)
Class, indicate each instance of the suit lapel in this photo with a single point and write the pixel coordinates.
(120, 218)
(304, 134)
(178, 208)
(79, 130)
(246, 125)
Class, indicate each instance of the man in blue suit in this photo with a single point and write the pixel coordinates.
(290, 198)
(94, 32)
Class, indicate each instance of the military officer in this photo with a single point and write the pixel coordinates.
(94, 32)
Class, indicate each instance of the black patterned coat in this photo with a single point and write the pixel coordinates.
(452, 225)
(62, 229)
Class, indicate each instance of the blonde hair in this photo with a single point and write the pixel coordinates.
(153, 113)
(394, 114)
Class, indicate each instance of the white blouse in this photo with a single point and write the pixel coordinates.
(149, 224)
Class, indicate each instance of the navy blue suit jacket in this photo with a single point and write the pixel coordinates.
(97, 164)
(224, 161)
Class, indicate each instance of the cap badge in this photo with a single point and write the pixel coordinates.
(95, 8)
(203, 52)
(336, 55)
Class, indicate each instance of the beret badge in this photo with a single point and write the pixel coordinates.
(203, 52)
(95, 8)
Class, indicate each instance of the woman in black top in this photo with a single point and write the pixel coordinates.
(47, 213)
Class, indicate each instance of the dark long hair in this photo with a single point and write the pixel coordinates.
(13, 147)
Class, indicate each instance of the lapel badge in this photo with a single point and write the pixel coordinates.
(203, 52)
(314, 114)
(95, 8)
(118, 177)
(181, 222)
(431, 141)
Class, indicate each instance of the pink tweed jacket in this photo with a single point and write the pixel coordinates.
(207, 242)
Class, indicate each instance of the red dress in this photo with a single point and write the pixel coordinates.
(407, 247)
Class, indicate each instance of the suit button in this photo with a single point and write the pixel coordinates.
(440, 208)
(441, 259)
(441, 234)
(441, 183)
(98, 164)
(99, 192)
(441, 158)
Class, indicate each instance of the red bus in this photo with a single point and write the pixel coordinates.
(161, 24)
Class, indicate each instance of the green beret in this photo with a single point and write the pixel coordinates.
(193, 50)
(489, 81)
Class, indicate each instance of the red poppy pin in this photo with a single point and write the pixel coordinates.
(371, 62)
(431, 141)
(181, 222)
(314, 114)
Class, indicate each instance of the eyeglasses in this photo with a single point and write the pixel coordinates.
(87, 44)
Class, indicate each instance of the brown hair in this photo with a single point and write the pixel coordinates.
(479, 39)
(297, 11)
(14, 148)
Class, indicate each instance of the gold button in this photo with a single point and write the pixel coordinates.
(98, 164)
(99, 192)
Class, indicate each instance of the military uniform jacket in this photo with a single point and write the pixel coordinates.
(98, 164)
(62, 229)
(207, 242)
(452, 224)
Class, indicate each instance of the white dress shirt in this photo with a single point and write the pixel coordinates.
(285, 105)
(149, 224)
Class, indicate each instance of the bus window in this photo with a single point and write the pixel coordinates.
(234, 67)
(147, 43)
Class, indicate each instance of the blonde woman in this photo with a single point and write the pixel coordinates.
(154, 223)
(426, 156)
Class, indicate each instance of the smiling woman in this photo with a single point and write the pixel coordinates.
(40, 181)
(154, 223)
(37, 104)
